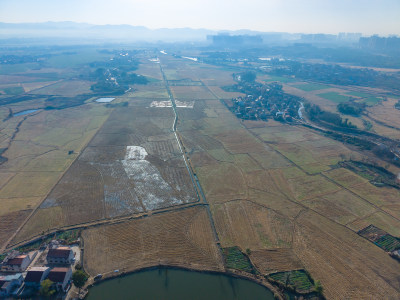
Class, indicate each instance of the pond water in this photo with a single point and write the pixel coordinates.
(25, 112)
(173, 284)
(105, 100)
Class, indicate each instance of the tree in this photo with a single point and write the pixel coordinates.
(46, 289)
(79, 278)
(318, 287)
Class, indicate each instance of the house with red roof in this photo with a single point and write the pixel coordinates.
(60, 255)
(17, 263)
(61, 277)
(36, 275)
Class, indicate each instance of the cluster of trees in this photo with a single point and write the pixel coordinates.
(115, 81)
(22, 59)
(351, 108)
(397, 105)
(122, 61)
(315, 113)
(335, 74)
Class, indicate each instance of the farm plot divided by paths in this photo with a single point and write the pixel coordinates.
(268, 189)
(181, 238)
(132, 165)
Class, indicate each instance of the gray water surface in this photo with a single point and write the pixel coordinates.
(173, 284)
(25, 112)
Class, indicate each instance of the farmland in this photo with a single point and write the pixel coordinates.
(278, 198)
(183, 238)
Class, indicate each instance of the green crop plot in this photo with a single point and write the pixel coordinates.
(15, 90)
(280, 79)
(334, 97)
(235, 259)
(311, 87)
(298, 280)
(388, 243)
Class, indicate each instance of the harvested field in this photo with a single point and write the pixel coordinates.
(251, 226)
(42, 221)
(191, 92)
(309, 187)
(131, 165)
(331, 253)
(181, 238)
(275, 260)
(69, 88)
(10, 222)
(342, 206)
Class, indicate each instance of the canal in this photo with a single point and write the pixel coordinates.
(174, 284)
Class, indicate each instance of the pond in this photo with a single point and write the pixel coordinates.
(105, 100)
(175, 284)
(25, 112)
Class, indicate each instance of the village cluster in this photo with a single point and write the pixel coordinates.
(23, 273)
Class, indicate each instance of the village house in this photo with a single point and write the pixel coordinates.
(36, 275)
(60, 255)
(10, 283)
(61, 277)
(16, 263)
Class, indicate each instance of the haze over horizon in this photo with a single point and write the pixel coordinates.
(308, 16)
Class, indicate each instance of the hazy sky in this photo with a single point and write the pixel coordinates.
(313, 16)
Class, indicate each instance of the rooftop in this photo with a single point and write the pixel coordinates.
(58, 274)
(16, 260)
(61, 252)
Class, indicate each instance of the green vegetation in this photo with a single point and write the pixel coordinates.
(115, 81)
(279, 79)
(311, 87)
(359, 94)
(46, 288)
(246, 76)
(334, 97)
(66, 237)
(388, 243)
(372, 101)
(298, 281)
(397, 105)
(375, 174)
(380, 238)
(114, 105)
(351, 108)
(79, 278)
(2, 257)
(315, 113)
(16, 90)
(235, 259)
(55, 102)
(318, 288)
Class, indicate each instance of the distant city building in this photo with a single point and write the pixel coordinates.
(349, 36)
(380, 43)
(60, 255)
(318, 38)
(226, 40)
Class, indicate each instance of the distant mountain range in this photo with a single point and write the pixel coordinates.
(112, 33)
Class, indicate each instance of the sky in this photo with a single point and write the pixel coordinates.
(306, 16)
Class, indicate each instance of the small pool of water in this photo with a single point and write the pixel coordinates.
(173, 284)
(25, 112)
(105, 100)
